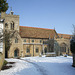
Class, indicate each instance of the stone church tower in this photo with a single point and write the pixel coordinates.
(11, 23)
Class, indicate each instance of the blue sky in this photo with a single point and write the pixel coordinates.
(45, 13)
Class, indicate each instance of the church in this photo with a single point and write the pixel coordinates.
(33, 41)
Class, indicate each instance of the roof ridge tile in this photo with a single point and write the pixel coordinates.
(37, 27)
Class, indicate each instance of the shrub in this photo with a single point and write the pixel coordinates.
(72, 46)
(18, 57)
(5, 62)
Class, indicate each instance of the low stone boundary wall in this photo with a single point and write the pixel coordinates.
(50, 54)
(1, 60)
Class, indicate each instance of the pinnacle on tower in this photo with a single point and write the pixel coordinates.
(11, 12)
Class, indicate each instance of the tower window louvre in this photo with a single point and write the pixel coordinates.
(12, 26)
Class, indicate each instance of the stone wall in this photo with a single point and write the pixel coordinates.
(1, 60)
(58, 43)
(22, 45)
(33, 44)
(2, 56)
(15, 46)
(2, 43)
(32, 49)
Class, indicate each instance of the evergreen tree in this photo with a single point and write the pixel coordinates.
(3, 6)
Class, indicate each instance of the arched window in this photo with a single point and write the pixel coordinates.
(24, 40)
(37, 50)
(16, 53)
(27, 50)
(32, 40)
(16, 40)
(63, 47)
(6, 25)
(40, 41)
(45, 49)
(12, 25)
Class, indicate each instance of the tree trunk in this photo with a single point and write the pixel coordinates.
(6, 54)
(73, 60)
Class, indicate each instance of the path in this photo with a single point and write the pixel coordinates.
(39, 68)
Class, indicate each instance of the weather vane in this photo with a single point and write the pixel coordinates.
(11, 8)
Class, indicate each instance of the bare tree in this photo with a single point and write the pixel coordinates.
(72, 45)
(8, 35)
(73, 31)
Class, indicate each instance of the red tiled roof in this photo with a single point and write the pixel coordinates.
(34, 32)
(66, 36)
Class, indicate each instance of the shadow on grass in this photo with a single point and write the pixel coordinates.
(6, 66)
